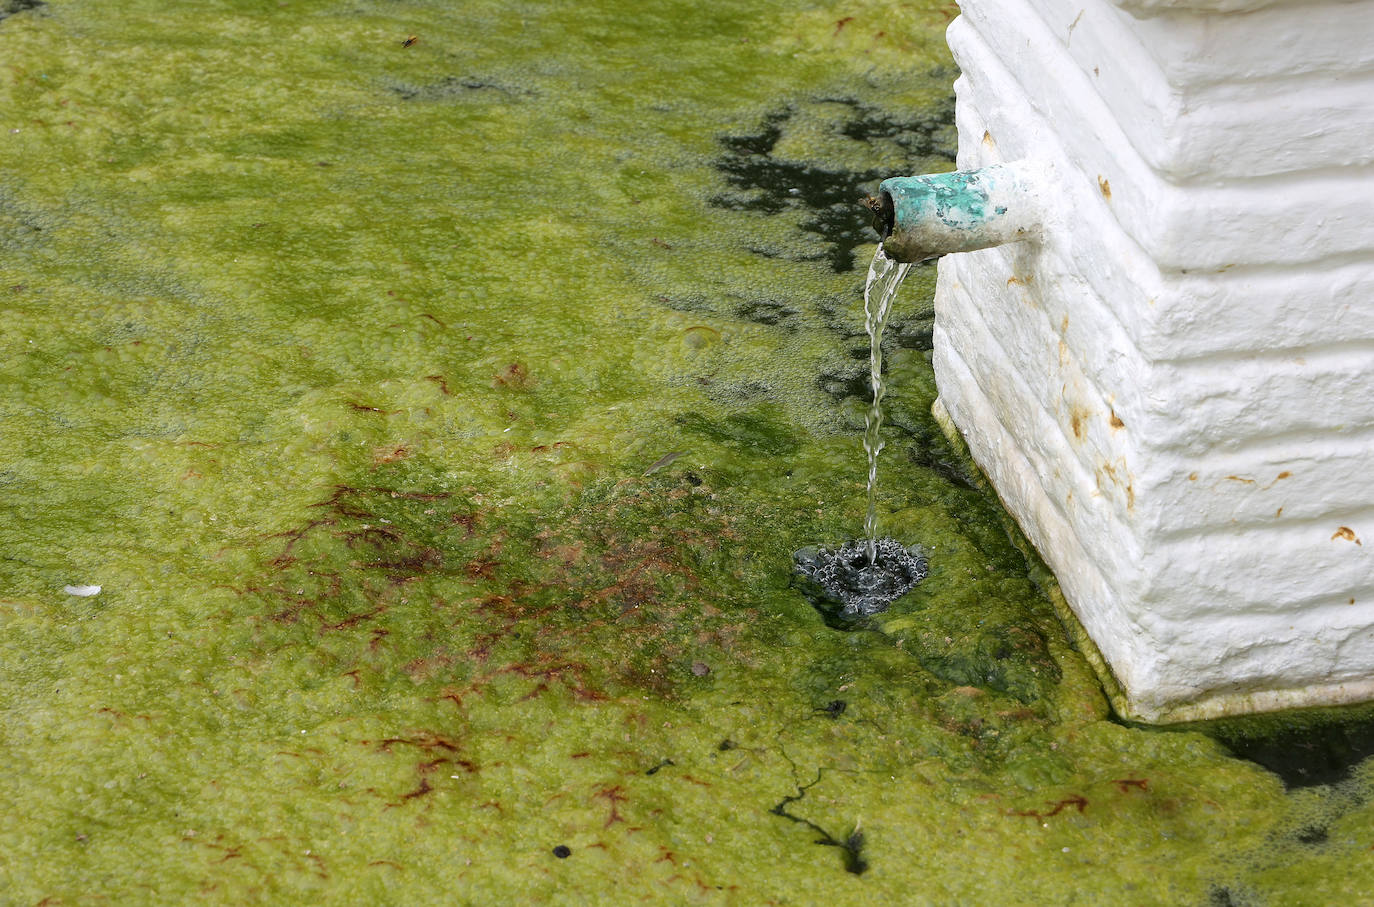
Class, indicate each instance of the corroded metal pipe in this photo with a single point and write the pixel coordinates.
(924, 217)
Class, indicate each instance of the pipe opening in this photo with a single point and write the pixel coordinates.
(884, 213)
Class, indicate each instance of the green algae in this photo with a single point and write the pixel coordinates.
(340, 363)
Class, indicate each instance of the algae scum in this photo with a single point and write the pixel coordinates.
(439, 417)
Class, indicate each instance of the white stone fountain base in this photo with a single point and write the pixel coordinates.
(1173, 392)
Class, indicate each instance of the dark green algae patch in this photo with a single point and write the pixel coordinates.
(351, 368)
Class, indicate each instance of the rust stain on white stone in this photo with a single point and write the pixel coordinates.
(1348, 534)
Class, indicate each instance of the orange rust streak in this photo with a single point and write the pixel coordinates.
(1345, 532)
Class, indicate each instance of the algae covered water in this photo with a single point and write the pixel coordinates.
(434, 393)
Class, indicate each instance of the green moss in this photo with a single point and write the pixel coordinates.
(342, 366)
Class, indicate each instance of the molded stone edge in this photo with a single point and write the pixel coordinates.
(1216, 705)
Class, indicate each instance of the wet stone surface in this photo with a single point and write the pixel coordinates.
(859, 586)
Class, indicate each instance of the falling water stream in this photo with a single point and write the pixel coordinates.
(884, 277)
(866, 576)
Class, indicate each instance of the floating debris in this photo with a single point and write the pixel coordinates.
(83, 591)
(663, 461)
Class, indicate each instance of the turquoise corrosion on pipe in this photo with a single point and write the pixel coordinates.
(923, 217)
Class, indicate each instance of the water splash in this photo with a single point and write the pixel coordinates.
(884, 277)
(859, 582)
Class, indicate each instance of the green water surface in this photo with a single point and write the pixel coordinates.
(350, 367)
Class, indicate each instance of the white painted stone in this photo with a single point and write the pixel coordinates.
(1173, 390)
(1185, 92)
(1012, 59)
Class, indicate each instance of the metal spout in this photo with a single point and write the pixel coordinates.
(924, 217)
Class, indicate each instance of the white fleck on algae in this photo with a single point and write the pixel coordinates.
(337, 358)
